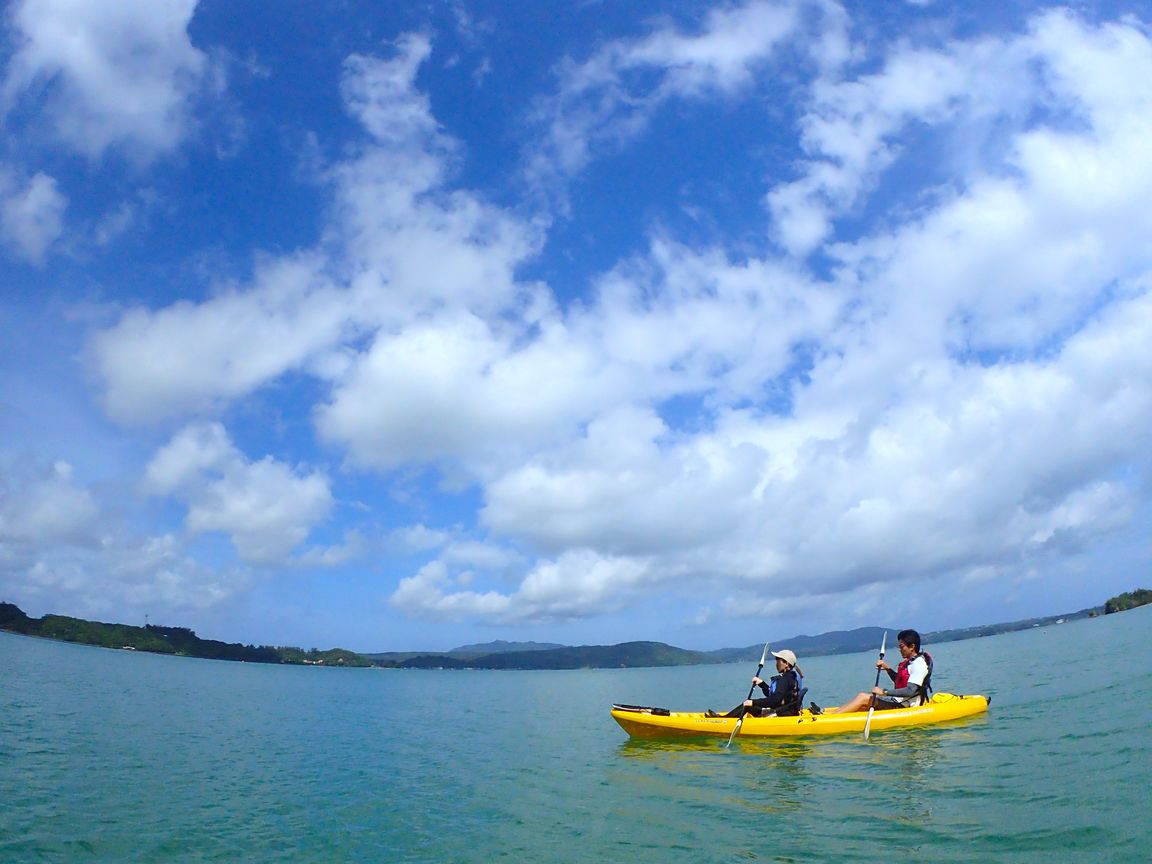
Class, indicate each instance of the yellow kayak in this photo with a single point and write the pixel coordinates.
(645, 722)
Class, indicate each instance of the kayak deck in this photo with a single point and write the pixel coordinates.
(646, 722)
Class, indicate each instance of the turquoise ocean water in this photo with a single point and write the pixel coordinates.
(116, 756)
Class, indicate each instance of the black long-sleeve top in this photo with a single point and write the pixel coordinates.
(781, 689)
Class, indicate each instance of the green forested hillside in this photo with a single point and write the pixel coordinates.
(1128, 600)
(164, 640)
(498, 655)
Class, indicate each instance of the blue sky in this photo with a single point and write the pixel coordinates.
(397, 328)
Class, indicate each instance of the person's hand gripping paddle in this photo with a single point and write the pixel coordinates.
(872, 702)
(740, 721)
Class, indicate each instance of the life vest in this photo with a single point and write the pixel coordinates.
(792, 707)
(902, 675)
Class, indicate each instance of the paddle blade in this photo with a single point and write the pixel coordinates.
(735, 729)
(763, 656)
(872, 703)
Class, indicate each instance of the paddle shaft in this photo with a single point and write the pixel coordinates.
(752, 689)
(740, 720)
(872, 701)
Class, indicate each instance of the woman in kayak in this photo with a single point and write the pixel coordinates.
(910, 680)
(781, 693)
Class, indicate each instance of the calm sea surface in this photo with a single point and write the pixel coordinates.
(116, 756)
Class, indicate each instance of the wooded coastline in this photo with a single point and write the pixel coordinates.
(184, 642)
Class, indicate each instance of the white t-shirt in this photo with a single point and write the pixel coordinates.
(917, 672)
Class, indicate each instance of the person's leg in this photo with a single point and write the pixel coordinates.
(863, 701)
(758, 706)
(885, 703)
(859, 702)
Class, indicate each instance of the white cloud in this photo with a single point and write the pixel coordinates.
(436, 391)
(266, 507)
(978, 94)
(189, 358)
(915, 411)
(31, 215)
(402, 233)
(127, 577)
(107, 74)
(381, 95)
(992, 468)
(941, 427)
(419, 538)
(577, 584)
(48, 508)
(62, 546)
(609, 99)
(401, 247)
(854, 127)
(625, 488)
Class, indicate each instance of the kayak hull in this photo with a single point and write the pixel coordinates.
(644, 722)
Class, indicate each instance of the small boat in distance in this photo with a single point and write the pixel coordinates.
(641, 721)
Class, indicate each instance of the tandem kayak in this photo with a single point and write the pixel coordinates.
(644, 722)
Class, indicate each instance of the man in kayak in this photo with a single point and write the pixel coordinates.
(910, 680)
(781, 694)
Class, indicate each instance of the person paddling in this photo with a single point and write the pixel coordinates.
(782, 693)
(910, 679)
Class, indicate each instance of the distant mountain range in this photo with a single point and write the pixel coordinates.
(502, 647)
(498, 654)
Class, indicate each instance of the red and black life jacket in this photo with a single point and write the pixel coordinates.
(902, 675)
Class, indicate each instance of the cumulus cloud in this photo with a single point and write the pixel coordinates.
(845, 505)
(402, 246)
(400, 229)
(129, 575)
(266, 507)
(63, 546)
(854, 127)
(47, 508)
(31, 215)
(107, 74)
(577, 584)
(910, 406)
(935, 422)
(190, 358)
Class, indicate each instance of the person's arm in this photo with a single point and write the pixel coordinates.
(901, 692)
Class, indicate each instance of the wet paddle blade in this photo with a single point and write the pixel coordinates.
(735, 729)
(872, 703)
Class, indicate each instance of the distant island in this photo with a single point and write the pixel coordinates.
(165, 640)
(499, 654)
(1129, 600)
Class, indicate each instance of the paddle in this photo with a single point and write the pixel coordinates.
(740, 721)
(872, 701)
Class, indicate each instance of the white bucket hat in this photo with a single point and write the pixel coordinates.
(786, 655)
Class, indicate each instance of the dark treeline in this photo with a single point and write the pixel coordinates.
(165, 640)
(1128, 600)
(499, 655)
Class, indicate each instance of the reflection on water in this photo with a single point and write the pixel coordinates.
(787, 748)
(899, 780)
